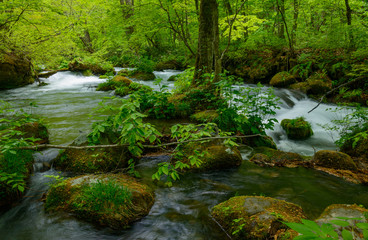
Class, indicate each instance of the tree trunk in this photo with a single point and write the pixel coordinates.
(281, 10)
(295, 24)
(348, 18)
(87, 42)
(207, 60)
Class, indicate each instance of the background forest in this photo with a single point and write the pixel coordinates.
(122, 33)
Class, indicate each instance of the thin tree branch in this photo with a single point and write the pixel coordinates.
(42, 146)
(331, 91)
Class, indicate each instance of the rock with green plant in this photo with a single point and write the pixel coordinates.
(256, 217)
(283, 79)
(319, 83)
(297, 128)
(113, 200)
(338, 221)
(93, 160)
(90, 66)
(172, 64)
(15, 70)
(205, 116)
(35, 130)
(269, 157)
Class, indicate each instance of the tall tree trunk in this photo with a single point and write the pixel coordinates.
(295, 24)
(127, 13)
(281, 25)
(228, 8)
(87, 42)
(207, 60)
(348, 18)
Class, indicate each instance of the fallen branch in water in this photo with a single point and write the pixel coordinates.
(331, 91)
(42, 146)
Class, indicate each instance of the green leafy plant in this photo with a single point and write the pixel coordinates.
(311, 230)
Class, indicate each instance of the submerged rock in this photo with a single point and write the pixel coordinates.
(297, 128)
(255, 217)
(113, 200)
(92, 160)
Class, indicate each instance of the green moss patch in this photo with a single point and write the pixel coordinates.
(297, 128)
(254, 217)
(113, 200)
(334, 159)
(282, 79)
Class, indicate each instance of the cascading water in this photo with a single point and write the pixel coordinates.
(180, 212)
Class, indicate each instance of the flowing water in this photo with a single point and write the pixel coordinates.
(183, 211)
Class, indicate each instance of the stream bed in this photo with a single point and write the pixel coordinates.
(183, 211)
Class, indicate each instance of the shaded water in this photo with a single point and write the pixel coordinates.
(183, 211)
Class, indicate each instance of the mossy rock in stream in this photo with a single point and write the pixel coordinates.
(114, 83)
(354, 213)
(205, 116)
(92, 160)
(216, 156)
(113, 200)
(79, 65)
(282, 79)
(297, 128)
(265, 156)
(144, 76)
(255, 217)
(334, 159)
(319, 83)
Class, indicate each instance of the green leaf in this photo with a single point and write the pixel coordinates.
(101, 128)
(346, 235)
(152, 138)
(165, 170)
(362, 225)
(300, 228)
(340, 223)
(20, 188)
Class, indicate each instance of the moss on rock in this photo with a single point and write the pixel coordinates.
(282, 79)
(15, 71)
(265, 156)
(113, 200)
(216, 156)
(91, 160)
(297, 128)
(334, 159)
(319, 83)
(144, 76)
(79, 65)
(254, 217)
(205, 116)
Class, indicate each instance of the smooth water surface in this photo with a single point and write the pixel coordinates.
(183, 211)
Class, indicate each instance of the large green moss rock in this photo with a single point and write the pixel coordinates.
(334, 159)
(282, 79)
(115, 82)
(335, 212)
(113, 200)
(265, 156)
(319, 83)
(78, 65)
(170, 64)
(92, 160)
(205, 116)
(254, 217)
(15, 71)
(216, 156)
(144, 76)
(297, 128)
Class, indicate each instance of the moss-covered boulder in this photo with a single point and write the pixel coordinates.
(116, 82)
(297, 128)
(334, 159)
(15, 71)
(282, 79)
(35, 130)
(170, 64)
(205, 116)
(144, 76)
(335, 212)
(79, 65)
(254, 217)
(92, 160)
(319, 83)
(215, 156)
(173, 78)
(300, 86)
(265, 156)
(112, 200)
